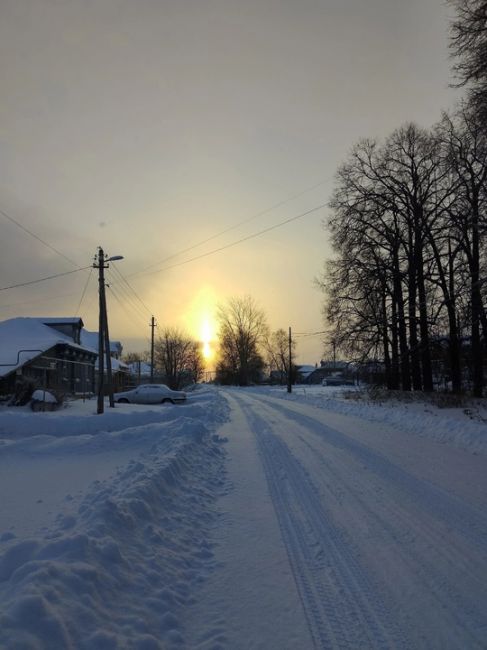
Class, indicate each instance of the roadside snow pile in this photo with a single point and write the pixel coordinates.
(117, 564)
(453, 426)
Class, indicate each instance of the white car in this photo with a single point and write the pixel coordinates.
(150, 394)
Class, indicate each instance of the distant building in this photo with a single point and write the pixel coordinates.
(327, 369)
(303, 372)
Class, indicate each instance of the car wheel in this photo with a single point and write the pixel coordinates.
(123, 400)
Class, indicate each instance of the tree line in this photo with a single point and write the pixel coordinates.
(408, 223)
(247, 349)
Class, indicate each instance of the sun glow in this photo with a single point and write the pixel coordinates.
(206, 339)
(199, 321)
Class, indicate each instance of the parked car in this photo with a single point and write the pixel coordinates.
(150, 394)
(337, 380)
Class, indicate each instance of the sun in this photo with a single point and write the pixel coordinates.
(199, 320)
(206, 337)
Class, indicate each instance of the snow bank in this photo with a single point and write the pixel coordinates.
(452, 426)
(116, 569)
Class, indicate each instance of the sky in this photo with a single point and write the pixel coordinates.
(163, 131)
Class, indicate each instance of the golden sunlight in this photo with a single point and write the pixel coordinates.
(206, 337)
(198, 319)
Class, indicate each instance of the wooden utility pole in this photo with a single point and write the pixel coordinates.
(103, 337)
(289, 383)
(152, 326)
(101, 327)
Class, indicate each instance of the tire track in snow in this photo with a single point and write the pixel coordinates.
(462, 608)
(454, 575)
(439, 504)
(341, 605)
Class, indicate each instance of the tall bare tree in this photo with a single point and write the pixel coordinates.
(469, 45)
(276, 346)
(398, 278)
(465, 149)
(179, 357)
(242, 329)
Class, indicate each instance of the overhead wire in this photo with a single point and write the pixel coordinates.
(234, 227)
(84, 291)
(123, 304)
(123, 280)
(49, 277)
(126, 296)
(39, 239)
(126, 282)
(239, 241)
(307, 334)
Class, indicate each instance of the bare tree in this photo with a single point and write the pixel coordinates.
(134, 357)
(469, 45)
(465, 150)
(276, 346)
(179, 358)
(242, 330)
(394, 277)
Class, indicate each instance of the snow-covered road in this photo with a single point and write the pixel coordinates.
(247, 519)
(340, 533)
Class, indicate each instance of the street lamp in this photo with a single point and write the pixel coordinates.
(103, 337)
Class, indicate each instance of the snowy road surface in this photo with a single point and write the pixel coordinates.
(246, 519)
(344, 534)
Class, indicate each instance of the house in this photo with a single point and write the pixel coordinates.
(139, 370)
(327, 369)
(46, 352)
(303, 372)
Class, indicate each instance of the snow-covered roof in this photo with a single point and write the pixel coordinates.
(117, 365)
(305, 369)
(23, 339)
(50, 320)
(145, 368)
(90, 340)
(334, 365)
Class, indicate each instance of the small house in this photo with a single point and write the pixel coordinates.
(47, 353)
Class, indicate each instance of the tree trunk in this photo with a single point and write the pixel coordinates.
(454, 341)
(401, 325)
(413, 333)
(385, 339)
(476, 309)
(427, 374)
(394, 348)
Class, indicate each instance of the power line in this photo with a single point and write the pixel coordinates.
(32, 234)
(124, 279)
(239, 241)
(307, 334)
(49, 277)
(84, 291)
(123, 304)
(128, 299)
(234, 227)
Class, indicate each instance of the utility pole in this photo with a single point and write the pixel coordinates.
(103, 337)
(101, 327)
(289, 384)
(152, 326)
